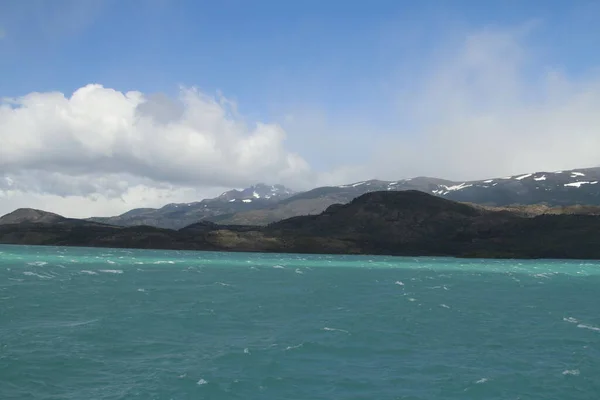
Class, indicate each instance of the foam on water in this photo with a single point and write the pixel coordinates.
(592, 328)
(85, 271)
(29, 273)
(574, 372)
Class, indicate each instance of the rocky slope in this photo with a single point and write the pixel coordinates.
(385, 222)
(176, 216)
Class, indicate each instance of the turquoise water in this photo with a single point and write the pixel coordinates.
(123, 324)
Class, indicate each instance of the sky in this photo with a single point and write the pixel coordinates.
(109, 105)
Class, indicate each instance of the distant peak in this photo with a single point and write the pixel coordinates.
(258, 191)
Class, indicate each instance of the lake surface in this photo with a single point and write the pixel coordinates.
(81, 323)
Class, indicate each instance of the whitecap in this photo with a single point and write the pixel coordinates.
(335, 330)
(293, 347)
(571, 320)
(110, 262)
(399, 283)
(541, 276)
(246, 351)
(278, 266)
(80, 323)
(29, 273)
(202, 382)
(592, 328)
(434, 287)
(111, 271)
(482, 380)
(141, 290)
(37, 263)
(573, 372)
(85, 271)
(444, 305)
(298, 271)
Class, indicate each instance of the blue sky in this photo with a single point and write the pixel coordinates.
(265, 53)
(348, 82)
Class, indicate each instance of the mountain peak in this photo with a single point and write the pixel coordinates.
(259, 191)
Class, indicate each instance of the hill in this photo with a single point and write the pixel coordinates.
(30, 215)
(385, 222)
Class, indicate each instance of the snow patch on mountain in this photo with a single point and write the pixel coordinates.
(578, 184)
(256, 192)
(457, 187)
(523, 177)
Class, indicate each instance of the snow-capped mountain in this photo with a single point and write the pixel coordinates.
(559, 188)
(261, 203)
(556, 188)
(179, 215)
(257, 192)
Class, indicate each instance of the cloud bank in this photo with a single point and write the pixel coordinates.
(493, 108)
(100, 142)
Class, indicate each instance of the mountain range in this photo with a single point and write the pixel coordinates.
(264, 204)
(409, 223)
(179, 215)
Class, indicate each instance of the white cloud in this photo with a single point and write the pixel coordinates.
(101, 142)
(78, 206)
